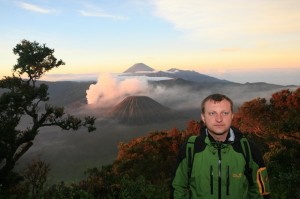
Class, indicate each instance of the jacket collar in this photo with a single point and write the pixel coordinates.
(234, 135)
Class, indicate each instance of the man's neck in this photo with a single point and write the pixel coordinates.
(219, 138)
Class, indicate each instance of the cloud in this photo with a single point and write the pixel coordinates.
(238, 21)
(288, 76)
(71, 77)
(94, 11)
(35, 8)
(99, 14)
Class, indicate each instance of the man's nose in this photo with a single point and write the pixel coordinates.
(219, 118)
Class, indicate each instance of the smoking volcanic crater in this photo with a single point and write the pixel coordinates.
(139, 110)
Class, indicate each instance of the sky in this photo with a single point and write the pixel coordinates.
(237, 40)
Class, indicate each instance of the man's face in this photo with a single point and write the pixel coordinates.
(217, 117)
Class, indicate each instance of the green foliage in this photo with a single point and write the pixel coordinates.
(36, 176)
(252, 116)
(105, 184)
(158, 149)
(278, 116)
(62, 191)
(283, 164)
(129, 188)
(143, 168)
(275, 126)
(23, 98)
(34, 59)
(99, 183)
(285, 107)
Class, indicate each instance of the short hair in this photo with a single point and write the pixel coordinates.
(216, 97)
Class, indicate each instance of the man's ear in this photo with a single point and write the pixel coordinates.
(202, 117)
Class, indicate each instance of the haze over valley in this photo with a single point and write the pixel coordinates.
(127, 105)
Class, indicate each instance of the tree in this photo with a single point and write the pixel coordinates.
(252, 116)
(277, 122)
(36, 176)
(25, 98)
(283, 164)
(279, 115)
(285, 106)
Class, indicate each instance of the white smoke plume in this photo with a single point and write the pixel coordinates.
(111, 89)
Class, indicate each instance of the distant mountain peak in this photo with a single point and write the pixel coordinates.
(139, 67)
(173, 70)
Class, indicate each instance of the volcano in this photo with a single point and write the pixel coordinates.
(139, 110)
(139, 67)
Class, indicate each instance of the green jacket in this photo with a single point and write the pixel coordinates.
(219, 170)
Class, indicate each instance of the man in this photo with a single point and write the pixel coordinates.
(220, 166)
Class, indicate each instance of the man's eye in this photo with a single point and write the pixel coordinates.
(225, 113)
(212, 113)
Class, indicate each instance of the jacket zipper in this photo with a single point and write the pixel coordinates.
(227, 180)
(211, 180)
(220, 175)
(219, 172)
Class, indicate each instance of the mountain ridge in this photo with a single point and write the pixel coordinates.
(141, 69)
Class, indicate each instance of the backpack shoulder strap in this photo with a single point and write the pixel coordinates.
(248, 158)
(190, 153)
